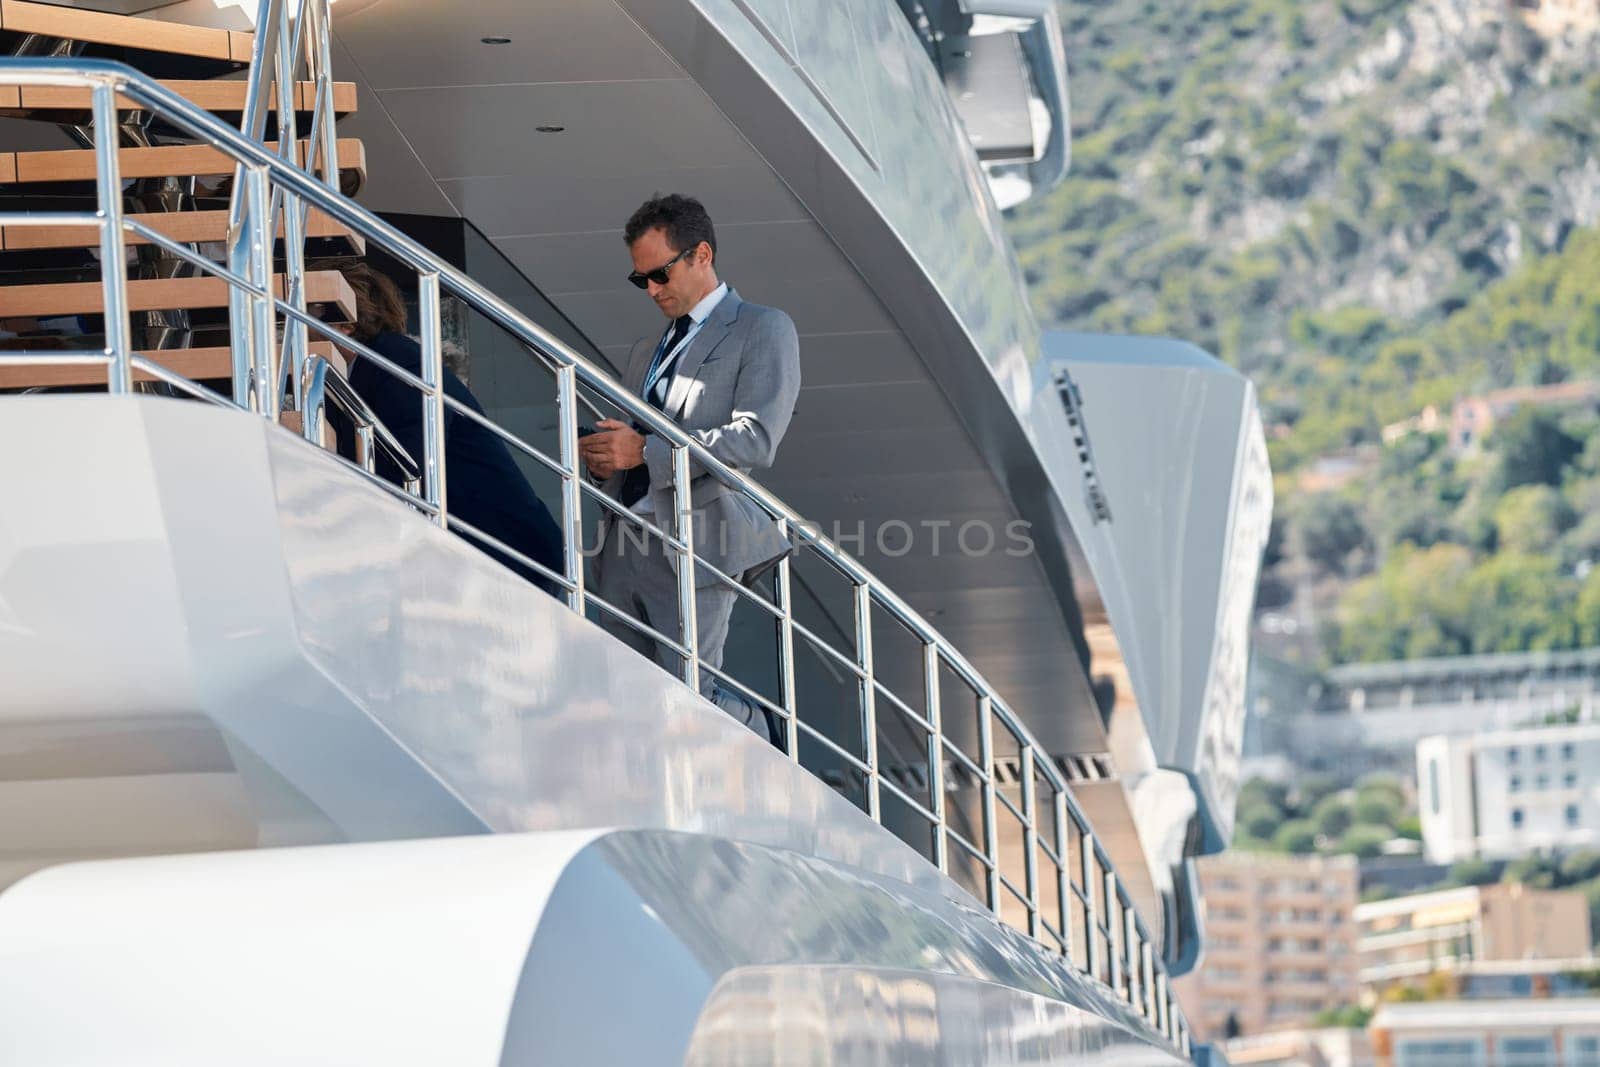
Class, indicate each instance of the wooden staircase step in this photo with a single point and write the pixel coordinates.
(185, 227)
(125, 31)
(196, 364)
(326, 290)
(165, 161)
(223, 97)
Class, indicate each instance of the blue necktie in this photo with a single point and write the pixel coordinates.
(655, 390)
(636, 481)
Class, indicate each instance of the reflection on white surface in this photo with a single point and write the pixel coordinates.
(626, 947)
(356, 673)
(327, 667)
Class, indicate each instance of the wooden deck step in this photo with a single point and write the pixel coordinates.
(78, 164)
(325, 290)
(125, 31)
(186, 227)
(223, 97)
(196, 364)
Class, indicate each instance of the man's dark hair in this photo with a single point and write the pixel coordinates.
(683, 217)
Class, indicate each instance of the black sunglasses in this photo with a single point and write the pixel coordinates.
(659, 275)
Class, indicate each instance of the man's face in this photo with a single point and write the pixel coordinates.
(688, 280)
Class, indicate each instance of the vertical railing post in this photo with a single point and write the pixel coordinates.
(571, 484)
(1091, 920)
(321, 70)
(243, 308)
(1063, 877)
(991, 836)
(930, 685)
(1113, 950)
(683, 504)
(294, 250)
(1147, 979)
(1030, 840)
(869, 697)
(113, 256)
(1130, 948)
(435, 486)
(263, 313)
(786, 663)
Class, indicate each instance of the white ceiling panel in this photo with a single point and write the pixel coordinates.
(838, 304)
(930, 447)
(771, 254)
(609, 127)
(396, 178)
(842, 359)
(561, 199)
(609, 321)
(409, 43)
(573, 262)
(904, 492)
(884, 406)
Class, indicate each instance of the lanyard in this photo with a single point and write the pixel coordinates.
(663, 358)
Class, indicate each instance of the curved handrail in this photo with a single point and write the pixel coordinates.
(1118, 952)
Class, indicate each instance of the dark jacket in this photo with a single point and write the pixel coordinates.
(483, 485)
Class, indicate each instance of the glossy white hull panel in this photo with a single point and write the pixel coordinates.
(216, 637)
(200, 584)
(636, 947)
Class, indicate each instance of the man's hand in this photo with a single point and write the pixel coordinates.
(617, 447)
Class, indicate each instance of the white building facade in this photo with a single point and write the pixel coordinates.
(1503, 794)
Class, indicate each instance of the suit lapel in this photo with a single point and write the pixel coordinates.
(638, 364)
(704, 343)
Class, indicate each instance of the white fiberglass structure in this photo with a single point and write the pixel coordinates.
(296, 773)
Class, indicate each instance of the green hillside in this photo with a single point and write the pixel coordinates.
(1369, 206)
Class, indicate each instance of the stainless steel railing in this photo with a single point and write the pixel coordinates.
(324, 385)
(1025, 849)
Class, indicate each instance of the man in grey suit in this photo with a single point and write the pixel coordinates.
(726, 371)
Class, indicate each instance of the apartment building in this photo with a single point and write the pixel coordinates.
(1360, 717)
(1502, 794)
(1403, 940)
(1488, 1033)
(1280, 943)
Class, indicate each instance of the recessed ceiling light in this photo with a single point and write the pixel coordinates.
(548, 129)
(496, 40)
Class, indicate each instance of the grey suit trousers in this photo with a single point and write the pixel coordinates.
(643, 583)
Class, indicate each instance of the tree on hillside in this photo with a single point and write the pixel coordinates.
(1416, 605)
(1310, 788)
(1580, 866)
(1332, 815)
(1259, 821)
(1330, 529)
(1535, 871)
(1473, 872)
(1298, 836)
(1586, 612)
(1261, 791)
(1532, 449)
(1531, 518)
(1519, 602)
(1376, 807)
(1364, 840)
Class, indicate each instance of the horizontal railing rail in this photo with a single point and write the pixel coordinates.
(1024, 848)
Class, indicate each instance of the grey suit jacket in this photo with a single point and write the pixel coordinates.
(733, 389)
